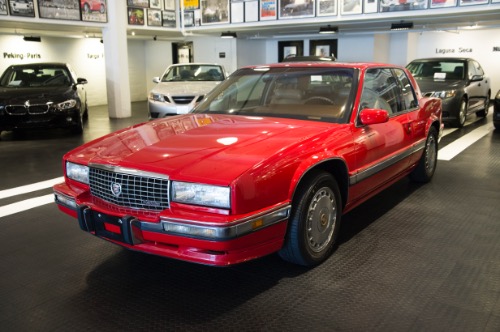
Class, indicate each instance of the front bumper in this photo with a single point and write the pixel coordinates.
(451, 109)
(158, 109)
(51, 119)
(210, 243)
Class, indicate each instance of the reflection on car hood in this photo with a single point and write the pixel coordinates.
(427, 85)
(200, 147)
(185, 88)
(18, 96)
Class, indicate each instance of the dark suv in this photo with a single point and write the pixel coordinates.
(460, 82)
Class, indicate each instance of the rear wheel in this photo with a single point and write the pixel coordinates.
(427, 164)
(314, 221)
(482, 113)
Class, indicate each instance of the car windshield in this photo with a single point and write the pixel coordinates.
(37, 76)
(191, 72)
(438, 69)
(313, 93)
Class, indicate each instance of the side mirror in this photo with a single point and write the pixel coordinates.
(156, 79)
(80, 80)
(370, 116)
(476, 78)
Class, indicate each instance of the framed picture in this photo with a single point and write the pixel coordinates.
(214, 11)
(350, 7)
(237, 11)
(168, 18)
(135, 16)
(389, 6)
(473, 2)
(326, 7)
(288, 49)
(169, 4)
(155, 4)
(370, 6)
(94, 11)
(154, 17)
(268, 10)
(3, 7)
(191, 4)
(296, 8)
(138, 3)
(323, 47)
(188, 19)
(443, 3)
(22, 8)
(69, 10)
(251, 11)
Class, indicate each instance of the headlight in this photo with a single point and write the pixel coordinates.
(444, 94)
(77, 172)
(65, 105)
(201, 194)
(156, 97)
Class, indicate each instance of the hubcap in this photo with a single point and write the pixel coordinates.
(321, 218)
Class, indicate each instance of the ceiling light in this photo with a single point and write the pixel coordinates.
(402, 26)
(228, 35)
(328, 30)
(32, 39)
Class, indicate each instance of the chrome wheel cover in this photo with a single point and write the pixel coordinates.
(321, 219)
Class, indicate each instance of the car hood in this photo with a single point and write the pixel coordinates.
(198, 147)
(18, 96)
(183, 88)
(428, 85)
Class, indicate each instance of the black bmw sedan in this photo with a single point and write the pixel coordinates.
(42, 95)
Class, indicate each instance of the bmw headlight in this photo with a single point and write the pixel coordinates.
(201, 194)
(66, 105)
(77, 172)
(445, 94)
(157, 97)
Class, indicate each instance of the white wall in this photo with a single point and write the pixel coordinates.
(158, 55)
(211, 49)
(356, 48)
(137, 68)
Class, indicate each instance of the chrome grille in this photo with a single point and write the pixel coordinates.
(38, 109)
(31, 109)
(16, 109)
(134, 191)
(182, 99)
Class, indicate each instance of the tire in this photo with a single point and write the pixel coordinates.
(77, 128)
(314, 222)
(426, 167)
(462, 114)
(482, 113)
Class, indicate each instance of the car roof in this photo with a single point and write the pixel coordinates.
(40, 64)
(443, 59)
(195, 64)
(325, 64)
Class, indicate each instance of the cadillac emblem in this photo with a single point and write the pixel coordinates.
(116, 189)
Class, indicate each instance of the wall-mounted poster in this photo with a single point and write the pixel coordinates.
(191, 4)
(370, 6)
(326, 7)
(94, 11)
(473, 2)
(288, 49)
(155, 4)
(251, 11)
(323, 47)
(237, 11)
(188, 19)
(349, 7)
(268, 10)
(138, 3)
(214, 11)
(3, 7)
(296, 8)
(22, 8)
(135, 16)
(443, 3)
(60, 9)
(154, 17)
(402, 5)
(168, 18)
(169, 4)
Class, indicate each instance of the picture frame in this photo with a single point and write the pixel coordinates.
(190, 4)
(289, 49)
(169, 5)
(168, 18)
(154, 17)
(138, 3)
(443, 3)
(251, 11)
(188, 19)
(135, 16)
(214, 11)
(326, 7)
(351, 7)
(473, 2)
(388, 6)
(289, 9)
(370, 6)
(3, 7)
(69, 10)
(94, 14)
(26, 10)
(268, 10)
(155, 4)
(323, 47)
(237, 11)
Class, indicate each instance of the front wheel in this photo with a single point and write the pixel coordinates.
(314, 221)
(427, 164)
(462, 113)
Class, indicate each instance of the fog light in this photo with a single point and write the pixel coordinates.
(65, 200)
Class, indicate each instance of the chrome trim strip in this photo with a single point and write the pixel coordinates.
(130, 171)
(370, 171)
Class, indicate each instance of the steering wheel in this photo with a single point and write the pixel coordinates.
(319, 100)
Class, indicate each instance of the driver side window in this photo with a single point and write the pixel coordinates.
(380, 90)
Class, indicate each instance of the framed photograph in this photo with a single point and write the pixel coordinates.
(251, 11)
(60, 9)
(473, 2)
(268, 10)
(3, 7)
(168, 18)
(154, 17)
(138, 3)
(214, 11)
(323, 47)
(350, 7)
(326, 7)
(188, 19)
(443, 3)
(169, 4)
(296, 8)
(389, 6)
(288, 49)
(155, 4)
(370, 6)
(135, 16)
(22, 8)
(237, 11)
(191, 4)
(94, 11)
